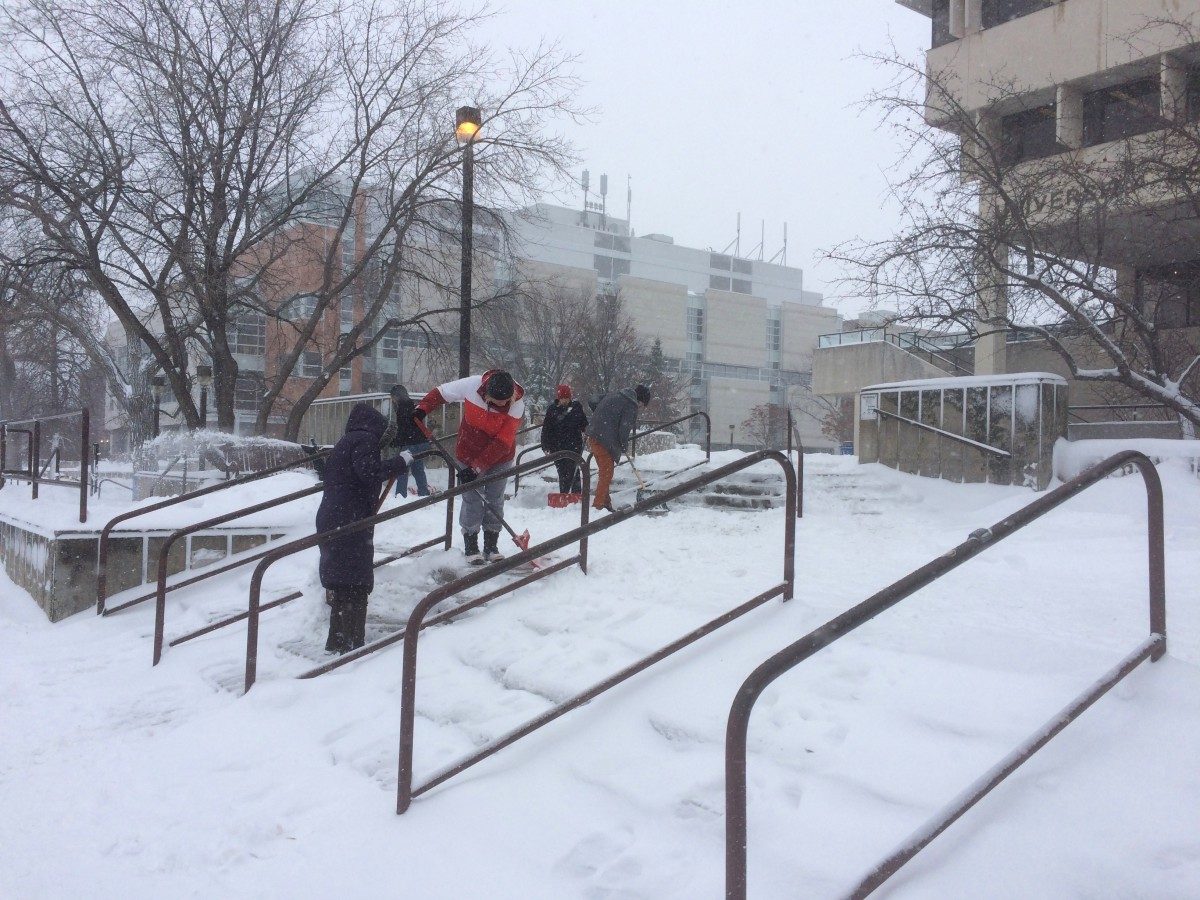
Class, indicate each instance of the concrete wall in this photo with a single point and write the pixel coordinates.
(59, 570)
(838, 371)
(735, 329)
(1070, 41)
(658, 310)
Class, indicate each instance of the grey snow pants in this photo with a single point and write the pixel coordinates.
(474, 514)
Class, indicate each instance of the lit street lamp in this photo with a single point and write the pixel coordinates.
(159, 382)
(467, 122)
(204, 379)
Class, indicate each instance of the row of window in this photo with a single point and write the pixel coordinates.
(730, 263)
(617, 242)
(725, 283)
(993, 13)
(1109, 114)
(610, 267)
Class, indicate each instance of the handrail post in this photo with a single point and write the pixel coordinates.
(35, 455)
(451, 481)
(3, 450)
(793, 655)
(707, 436)
(84, 447)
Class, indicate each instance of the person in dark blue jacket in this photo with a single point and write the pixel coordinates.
(354, 477)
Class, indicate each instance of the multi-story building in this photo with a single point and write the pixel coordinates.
(1061, 89)
(741, 330)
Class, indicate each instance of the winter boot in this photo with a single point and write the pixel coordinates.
(491, 548)
(341, 615)
(358, 630)
(471, 548)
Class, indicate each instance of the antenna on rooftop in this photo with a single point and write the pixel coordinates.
(603, 201)
(584, 182)
(629, 203)
(783, 252)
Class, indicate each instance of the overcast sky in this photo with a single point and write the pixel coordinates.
(741, 105)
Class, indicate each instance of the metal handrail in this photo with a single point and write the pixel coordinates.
(405, 792)
(106, 531)
(794, 431)
(160, 592)
(35, 452)
(452, 491)
(739, 714)
(956, 437)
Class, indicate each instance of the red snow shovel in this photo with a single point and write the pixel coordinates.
(522, 539)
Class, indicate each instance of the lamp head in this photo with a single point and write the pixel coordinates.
(204, 375)
(467, 122)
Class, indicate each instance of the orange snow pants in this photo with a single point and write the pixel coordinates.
(604, 468)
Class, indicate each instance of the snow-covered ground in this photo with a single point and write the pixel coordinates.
(117, 779)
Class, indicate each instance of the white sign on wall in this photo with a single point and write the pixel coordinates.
(868, 404)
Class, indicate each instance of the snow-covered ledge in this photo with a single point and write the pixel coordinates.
(982, 428)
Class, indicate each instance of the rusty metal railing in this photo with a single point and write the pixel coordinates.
(160, 593)
(34, 474)
(106, 531)
(406, 792)
(793, 431)
(452, 491)
(1152, 648)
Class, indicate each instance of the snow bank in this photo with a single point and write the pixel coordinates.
(1073, 457)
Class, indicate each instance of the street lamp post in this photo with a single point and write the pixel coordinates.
(467, 122)
(730, 437)
(204, 379)
(159, 382)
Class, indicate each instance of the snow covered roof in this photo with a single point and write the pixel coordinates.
(964, 381)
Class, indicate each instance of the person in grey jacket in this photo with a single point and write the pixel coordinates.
(608, 435)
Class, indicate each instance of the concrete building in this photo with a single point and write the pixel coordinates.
(744, 330)
(1076, 84)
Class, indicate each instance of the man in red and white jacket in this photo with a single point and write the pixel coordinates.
(492, 408)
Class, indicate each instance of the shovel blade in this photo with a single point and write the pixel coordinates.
(522, 539)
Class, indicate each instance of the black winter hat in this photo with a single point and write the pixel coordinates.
(500, 386)
(642, 393)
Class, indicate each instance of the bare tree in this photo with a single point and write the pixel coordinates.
(611, 354)
(535, 333)
(993, 240)
(766, 424)
(180, 155)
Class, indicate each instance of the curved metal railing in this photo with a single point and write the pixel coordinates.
(106, 531)
(1152, 648)
(452, 491)
(406, 792)
(160, 593)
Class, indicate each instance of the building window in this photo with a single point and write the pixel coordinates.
(720, 261)
(300, 308)
(248, 392)
(1120, 112)
(743, 266)
(310, 364)
(718, 282)
(1174, 293)
(774, 333)
(997, 12)
(695, 325)
(741, 286)
(617, 242)
(1028, 135)
(346, 313)
(610, 267)
(389, 344)
(941, 23)
(247, 333)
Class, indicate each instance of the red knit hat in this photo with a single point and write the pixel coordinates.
(563, 392)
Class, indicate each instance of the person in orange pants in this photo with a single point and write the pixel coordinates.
(604, 474)
(608, 435)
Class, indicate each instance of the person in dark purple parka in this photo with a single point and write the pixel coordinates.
(354, 477)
